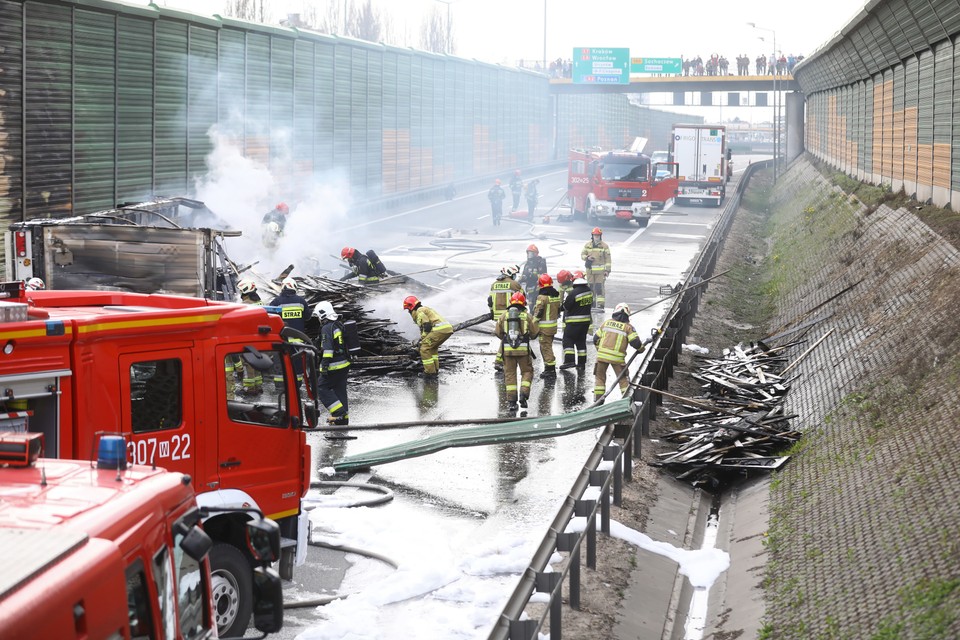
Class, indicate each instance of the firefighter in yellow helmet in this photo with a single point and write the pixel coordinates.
(611, 340)
(546, 310)
(434, 331)
(516, 328)
(596, 260)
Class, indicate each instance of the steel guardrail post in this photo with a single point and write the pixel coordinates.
(547, 582)
(612, 452)
(523, 629)
(570, 543)
(583, 508)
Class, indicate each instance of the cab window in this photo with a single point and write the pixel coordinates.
(163, 577)
(191, 588)
(156, 391)
(256, 396)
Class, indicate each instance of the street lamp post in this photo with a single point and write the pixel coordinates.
(776, 102)
(544, 36)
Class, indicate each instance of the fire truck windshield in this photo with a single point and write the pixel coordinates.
(625, 171)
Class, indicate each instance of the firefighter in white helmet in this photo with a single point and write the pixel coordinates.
(334, 364)
(34, 284)
(611, 340)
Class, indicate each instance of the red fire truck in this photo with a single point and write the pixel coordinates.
(108, 550)
(164, 371)
(618, 185)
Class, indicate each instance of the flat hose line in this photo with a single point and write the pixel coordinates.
(386, 496)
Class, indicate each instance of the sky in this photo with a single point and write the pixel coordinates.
(460, 584)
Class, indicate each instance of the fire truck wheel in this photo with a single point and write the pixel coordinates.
(232, 590)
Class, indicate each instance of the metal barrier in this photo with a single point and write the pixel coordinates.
(618, 444)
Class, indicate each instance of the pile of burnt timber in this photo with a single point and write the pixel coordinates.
(738, 424)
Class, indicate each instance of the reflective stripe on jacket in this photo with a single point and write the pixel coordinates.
(500, 292)
(529, 328)
(600, 255)
(426, 315)
(576, 305)
(334, 354)
(612, 339)
(547, 308)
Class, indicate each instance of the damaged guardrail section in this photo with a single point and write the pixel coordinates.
(616, 448)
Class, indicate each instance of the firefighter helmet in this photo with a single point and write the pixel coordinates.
(497, 181)
(518, 298)
(410, 303)
(324, 311)
(247, 286)
(564, 276)
(511, 270)
(34, 284)
(347, 252)
(596, 232)
(545, 280)
(623, 306)
(578, 274)
(533, 248)
(283, 208)
(288, 283)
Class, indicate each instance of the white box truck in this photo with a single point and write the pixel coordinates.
(703, 163)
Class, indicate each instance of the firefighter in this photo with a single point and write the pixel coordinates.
(564, 282)
(273, 224)
(334, 364)
(596, 259)
(251, 380)
(576, 317)
(515, 328)
(294, 310)
(546, 310)
(533, 268)
(499, 299)
(434, 331)
(611, 340)
(532, 197)
(516, 188)
(496, 197)
(367, 267)
(34, 284)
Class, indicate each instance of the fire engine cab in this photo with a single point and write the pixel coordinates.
(110, 550)
(200, 387)
(618, 185)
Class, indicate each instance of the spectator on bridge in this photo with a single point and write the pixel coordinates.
(772, 64)
(724, 65)
(686, 67)
(761, 65)
(791, 63)
(782, 65)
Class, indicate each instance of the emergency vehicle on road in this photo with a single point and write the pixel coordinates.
(618, 185)
(108, 550)
(167, 372)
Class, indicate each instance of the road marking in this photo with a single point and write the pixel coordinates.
(633, 237)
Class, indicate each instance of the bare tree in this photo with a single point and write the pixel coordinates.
(436, 32)
(344, 17)
(253, 10)
(365, 22)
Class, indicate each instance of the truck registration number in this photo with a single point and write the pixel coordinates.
(151, 450)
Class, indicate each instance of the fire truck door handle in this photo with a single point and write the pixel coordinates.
(230, 463)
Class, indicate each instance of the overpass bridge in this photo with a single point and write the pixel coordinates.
(677, 84)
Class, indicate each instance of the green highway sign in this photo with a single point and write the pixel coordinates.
(601, 66)
(656, 65)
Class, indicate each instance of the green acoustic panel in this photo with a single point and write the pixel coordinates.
(202, 98)
(170, 99)
(231, 84)
(135, 108)
(11, 79)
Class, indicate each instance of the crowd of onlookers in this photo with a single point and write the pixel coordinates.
(717, 65)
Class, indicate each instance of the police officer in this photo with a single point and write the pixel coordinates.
(501, 291)
(546, 310)
(334, 363)
(596, 259)
(532, 270)
(434, 331)
(515, 328)
(576, 316)
(611, 340)
(496, 197)
(364, 269)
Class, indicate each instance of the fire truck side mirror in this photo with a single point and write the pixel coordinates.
(263, 540)
(257, 360)
(267, 600)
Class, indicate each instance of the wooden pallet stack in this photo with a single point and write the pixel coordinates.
(738, 424)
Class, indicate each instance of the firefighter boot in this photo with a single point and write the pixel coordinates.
(549, 371)
(338, 420)
(523, 401)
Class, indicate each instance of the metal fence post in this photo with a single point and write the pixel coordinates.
(547, 583)
(568, 542)
(586, 509)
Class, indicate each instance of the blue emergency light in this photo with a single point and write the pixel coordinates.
(112, 453)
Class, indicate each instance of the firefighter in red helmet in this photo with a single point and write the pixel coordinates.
(434, 331)
(533, 268)
(273, 224)
(515, 328)
(596, 260)
(546, 311)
